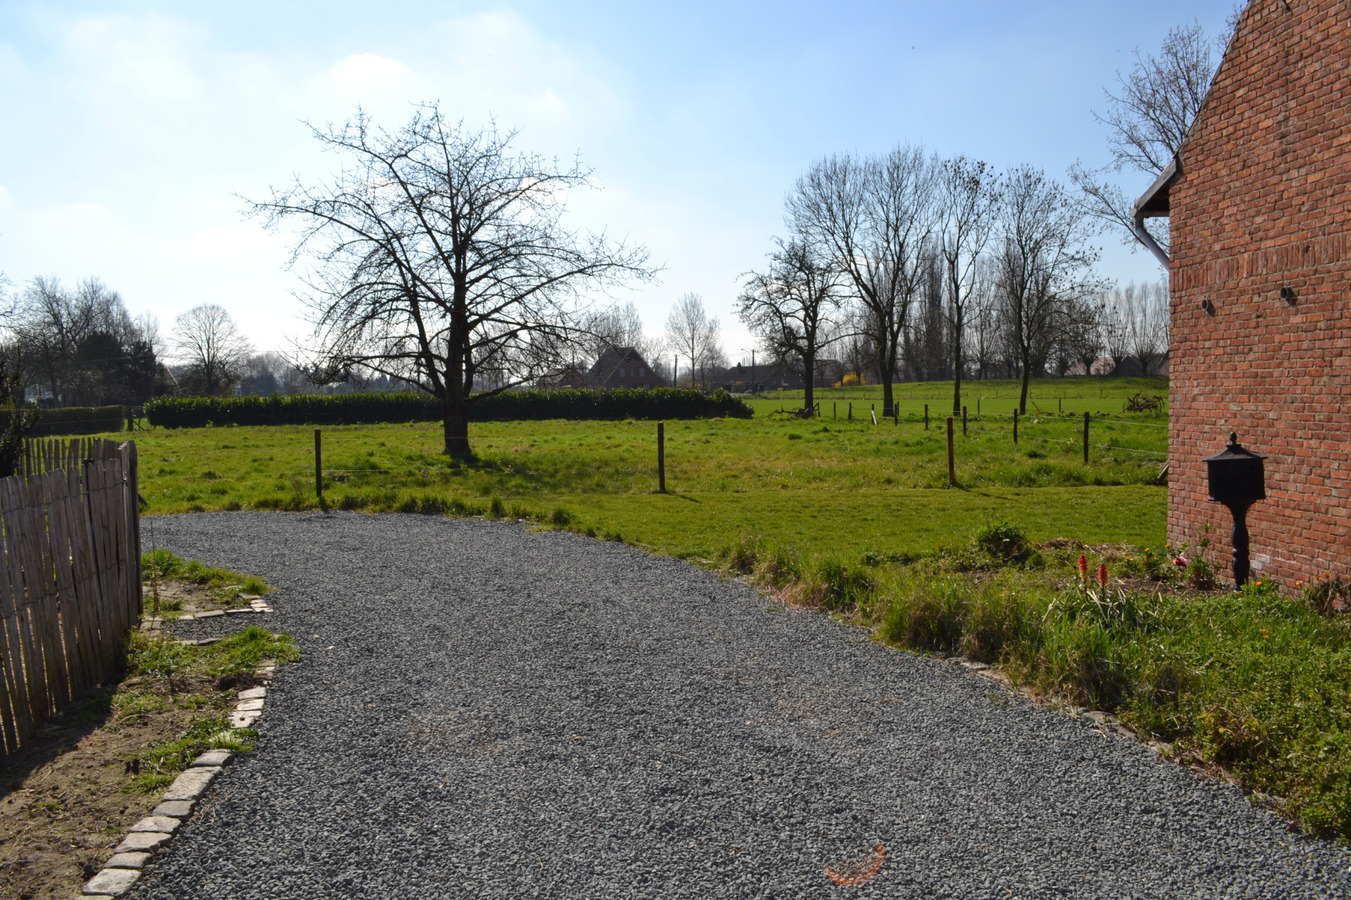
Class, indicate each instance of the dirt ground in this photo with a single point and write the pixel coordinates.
(65, 801)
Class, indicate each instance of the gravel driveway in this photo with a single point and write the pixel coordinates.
(486, 712)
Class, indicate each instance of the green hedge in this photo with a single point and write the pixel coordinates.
(356, 409)
(74, 420)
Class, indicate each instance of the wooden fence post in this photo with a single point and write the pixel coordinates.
(661, 457)
(952, 463)
(1015, 425)
(319, 468)
(926, 417)
(963, 421)
(1086, 437)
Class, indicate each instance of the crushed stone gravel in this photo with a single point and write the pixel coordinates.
(482, 711)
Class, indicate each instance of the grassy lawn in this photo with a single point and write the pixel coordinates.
(858, 519)
(822, 485)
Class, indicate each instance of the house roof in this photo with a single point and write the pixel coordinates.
(1154, 202)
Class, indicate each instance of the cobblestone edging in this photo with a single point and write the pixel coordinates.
(151, 834)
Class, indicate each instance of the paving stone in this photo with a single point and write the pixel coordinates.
(191, 784)
(141, 841)
(111, 882)
(250, 706)
(128, 861)
(186, 617)
(176, 809)
(166, 824)
(253, 694)
(245, 611)
(212, 758)
(211, 614)
(244, 719)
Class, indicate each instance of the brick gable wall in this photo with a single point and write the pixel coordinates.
(1264, 203)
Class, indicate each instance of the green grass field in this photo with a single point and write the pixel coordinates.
(824, 485)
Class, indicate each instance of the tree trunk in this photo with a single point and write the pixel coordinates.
(808, 382)
(1022, 397)
(455, 427)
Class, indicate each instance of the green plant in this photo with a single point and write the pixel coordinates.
(1004, 542)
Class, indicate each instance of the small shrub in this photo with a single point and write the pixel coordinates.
(1004, 542)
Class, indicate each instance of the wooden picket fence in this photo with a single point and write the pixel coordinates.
(70, 576)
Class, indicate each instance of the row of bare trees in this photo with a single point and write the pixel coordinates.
(897, 254)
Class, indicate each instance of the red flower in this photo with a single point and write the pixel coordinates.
(1102, 575)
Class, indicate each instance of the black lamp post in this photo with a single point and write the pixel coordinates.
(1238, 480)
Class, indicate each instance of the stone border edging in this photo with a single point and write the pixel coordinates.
(152, 833)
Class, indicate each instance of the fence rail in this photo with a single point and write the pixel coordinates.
(70, 577)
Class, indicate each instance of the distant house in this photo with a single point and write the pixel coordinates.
(778, 377)
(570, 376)
(1259, 207)
(623, 367)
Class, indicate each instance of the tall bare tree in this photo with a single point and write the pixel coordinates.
(969, 195)
(790, 307)
(873, 217)
(692, 334)
(215, 354)
(1044, 262)
(1148, 116)
(1144, 309)
(440, 256)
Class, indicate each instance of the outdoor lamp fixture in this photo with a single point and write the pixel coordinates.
(1208, 306)
(1288, 295)
(1238, 480)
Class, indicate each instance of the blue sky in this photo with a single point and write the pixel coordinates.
(131, 130)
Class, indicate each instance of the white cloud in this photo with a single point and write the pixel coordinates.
(373, 81)
(4, 197)
(133, 62)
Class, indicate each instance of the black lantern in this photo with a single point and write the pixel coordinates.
(1238, 480)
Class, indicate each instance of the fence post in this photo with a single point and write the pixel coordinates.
(1086, 437)
(963, 421)
(1015, 426)
(661, 457)
(926, 417)
(851, 410)
(952, 463)
(319, 468)
(834, 409)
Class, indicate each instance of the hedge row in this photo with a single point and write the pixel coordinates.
(73, 420)
(357, 409)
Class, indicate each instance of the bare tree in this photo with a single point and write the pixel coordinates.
(969, 192)
(215, 354)
(82, 346)
(692, 334)
(614, 327)
(1044, 262)
(1148, 117)
(789, 307)
(1144, 309)
(440, 257)
(873, 217)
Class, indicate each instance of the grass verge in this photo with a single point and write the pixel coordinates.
(73, 791)
(1253, 683)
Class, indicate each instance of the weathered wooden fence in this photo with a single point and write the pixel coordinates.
(70, 576)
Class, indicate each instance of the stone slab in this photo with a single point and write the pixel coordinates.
(111, 882)
(177, 809)
(250, 705)
(128, 861)
(141, 842)
(244, 719)
(211, 614)
(191, 784)
(256, 693)
(212, 758)
(166, 824)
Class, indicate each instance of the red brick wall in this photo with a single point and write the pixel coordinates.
(1264, 202)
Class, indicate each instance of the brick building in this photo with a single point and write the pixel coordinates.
(1259, 202)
